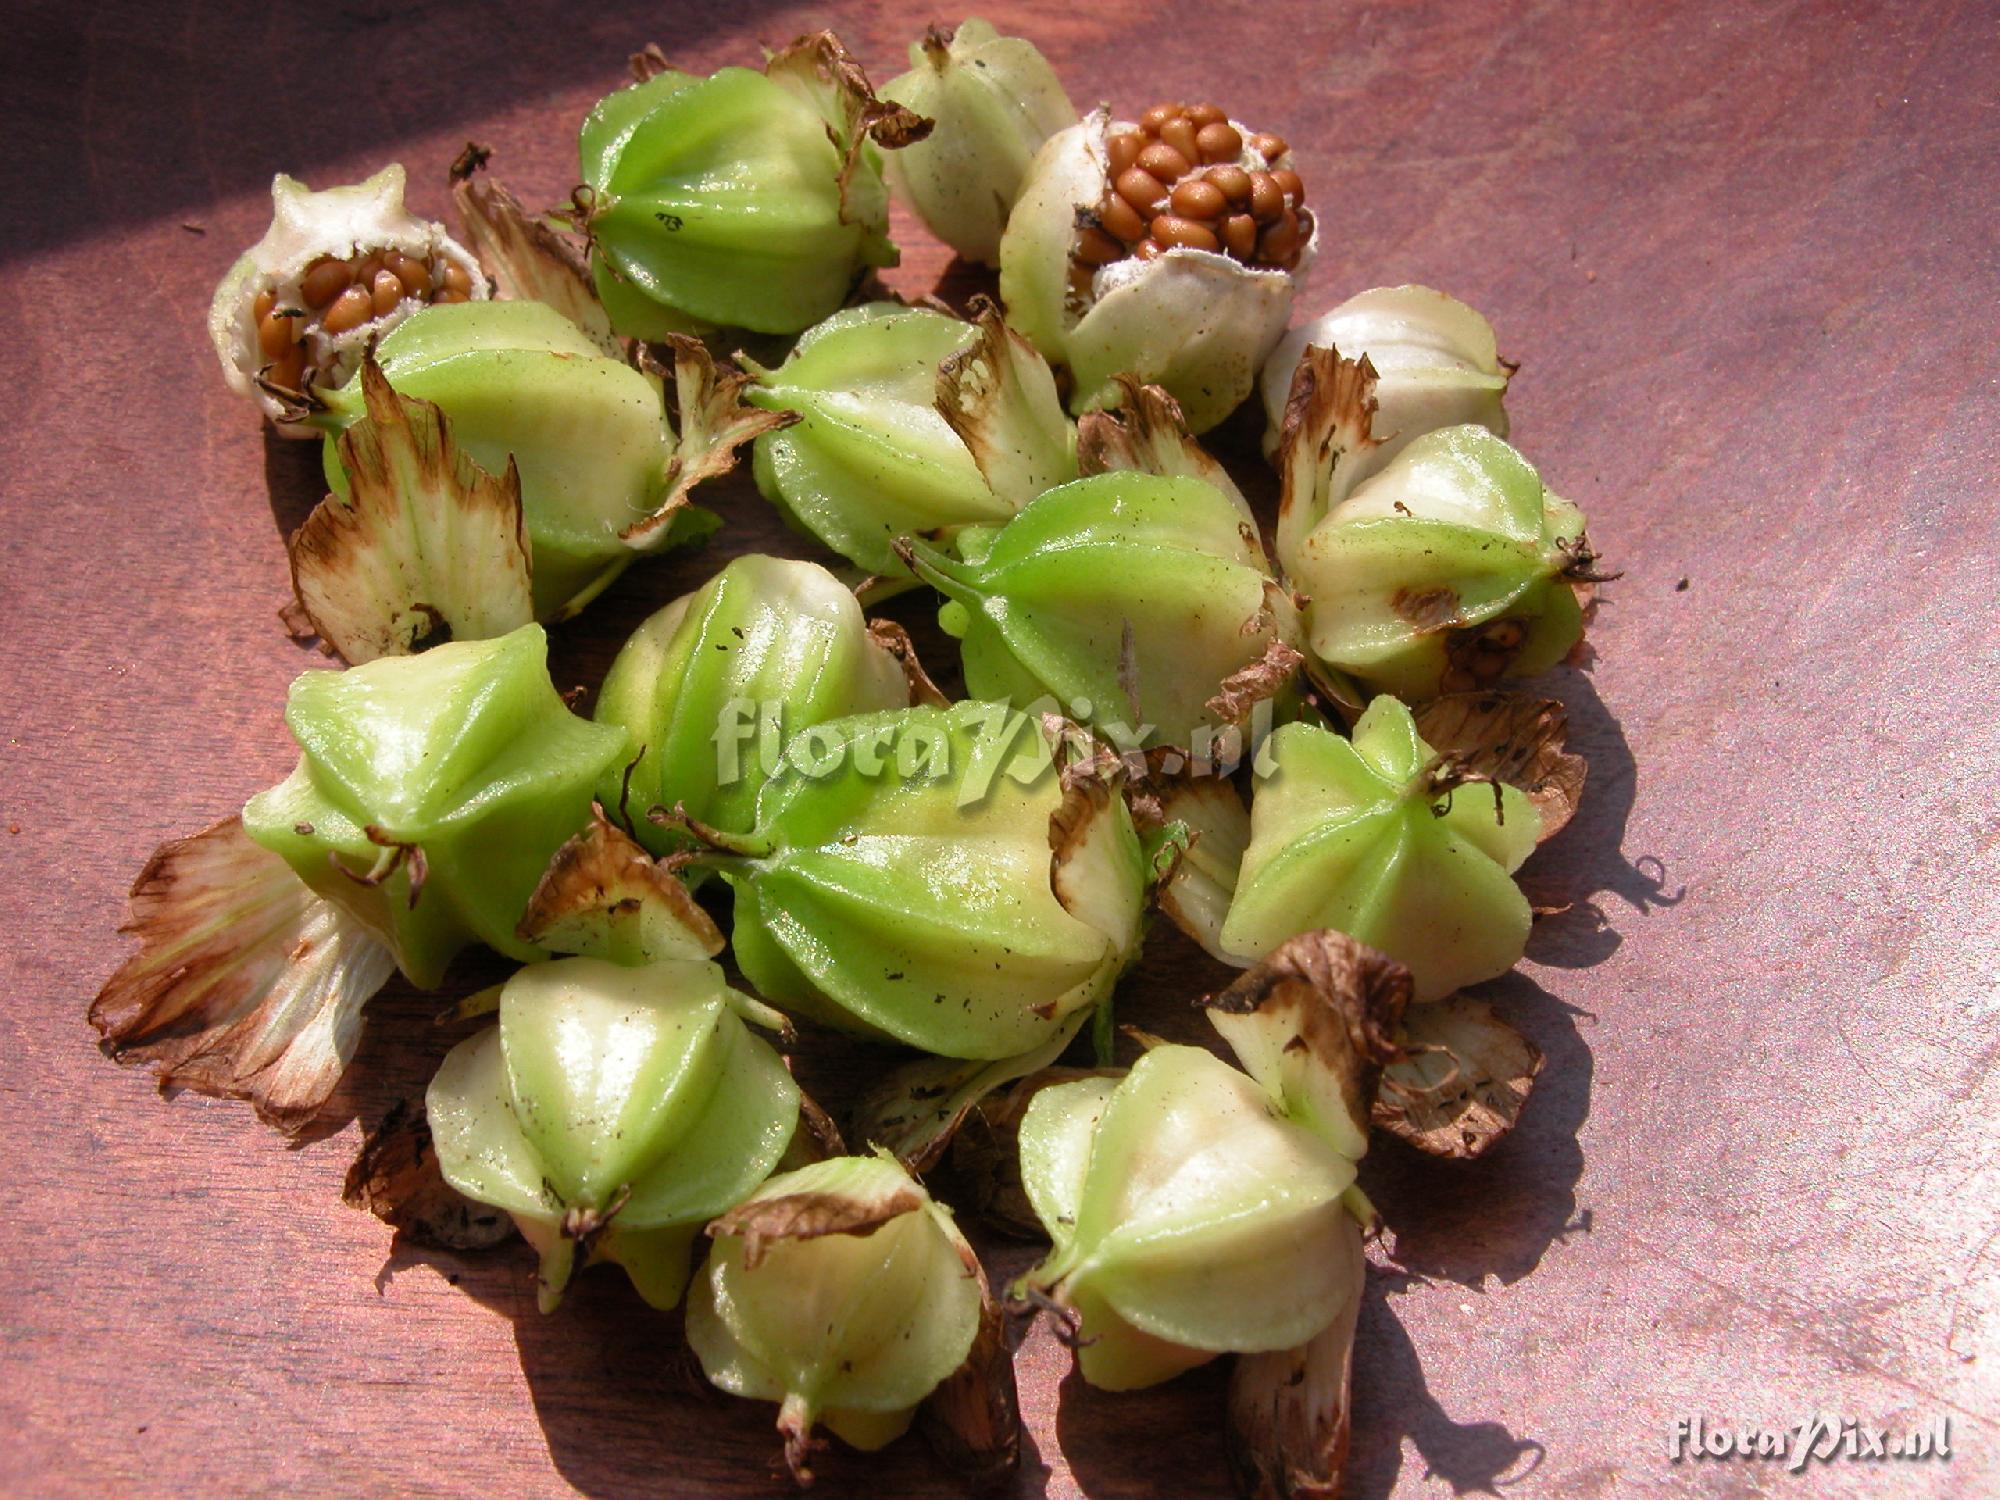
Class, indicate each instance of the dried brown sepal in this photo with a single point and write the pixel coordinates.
(993, 392)
(1195, 894)
(711, 422)
(648, 63)
(1314, 1023)
(1264, 678)
(603, 896)
(972, 1420)
(1291, 1411)
(1324, 441)
(526, 258)
(984, 1161)
(895, 640)
(1462, 1080)
(427, 546)
(820, 70)
(808, 1216)
(818, 1138)
(396, 1178)
(1145, 431)
(246, 984)
(1513, 738)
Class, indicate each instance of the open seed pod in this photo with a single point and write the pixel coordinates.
(925, 875)
(603, 477)
(842, 1292)
(909, 421)
(1122, 594)
(1165, 250)
(335, 272)
(612, 1112)
(713, 688)
(993, 100)
(1435, 360)
(431, 792)
(1381, 838)
(1445, 571)
(746, 199)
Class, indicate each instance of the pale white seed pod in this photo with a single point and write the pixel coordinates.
(1435, 358)
(995, 100)
(1194, 322)
(306, 227)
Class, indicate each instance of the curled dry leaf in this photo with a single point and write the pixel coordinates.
(1145, 431)
(427, 547)
(807, 1216)
(526, 258)
(397, 1179)
(972, 1420)
(1327, 434)
(246, 984)
(1291, 1410)
(603, 896)
(985, 1160)
(894, 639)
(1513, 738)
(1462, 1080)
(711, 421)
(999, 397)
(1266, 677)
(1195, 896)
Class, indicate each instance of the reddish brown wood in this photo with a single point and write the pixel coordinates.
(1747, 256)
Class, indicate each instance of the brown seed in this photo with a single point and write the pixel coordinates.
(1122, 147)
(1179, 133)
(1218, 142)
(1291, 185)
(366, 267)
(387, 291)
(456, 279)
(1239, 233)
(288, 369)
(1205, 115)
(1198, 199)
(1096, 248)
(1141, 189)
(414, 274)
(1148, 250)
(1163, 161)
(452, 294)
(1503, 635)
(1269, 146)
(1158, 115)
(1121, 219)
(324, 280)
(1170, 230)
(350, 309)
(1279, 240)
(274, 334)
(1266, 201)
(1234, 182)
(261, 308)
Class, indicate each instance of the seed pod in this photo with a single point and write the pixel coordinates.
(1435, 361)
(1130, 592)
(1195, 321)
(603, 477)
(909, 421)
(713, 687)
(994, 99)
(842, 1292)
(432, 792)
(1384, 840)
(925, 875)
(611, 1112)
(746, 199)
(295, 274)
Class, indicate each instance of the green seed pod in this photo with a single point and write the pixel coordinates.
(432, 792)
(910, 421)
(612, 1112)
(600, 476)
(1195, 321)
(924, 875)
(994, 99)
(1381, 838)
(296, 315)
(1447, 570)
(766, 649)
(1435, 360)
(746, 199)
(842, 1292)
(1126, 592)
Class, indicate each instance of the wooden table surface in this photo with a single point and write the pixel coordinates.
(1748, 255)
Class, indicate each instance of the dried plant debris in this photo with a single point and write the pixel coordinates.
(1145, 431)
(526, 257)
(1461, 1082)
(246, 985)
(603, 896)
(396, 1178)
(711, 422)
(1513, 738)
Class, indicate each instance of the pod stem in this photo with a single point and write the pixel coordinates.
(718, 848)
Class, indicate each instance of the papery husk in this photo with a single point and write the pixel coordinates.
(427, 546)
(526, 257)
(711, 422)
(1461, 1081)
(246, 985)
(996, 393)
(1144, 430)
(1514, 738)
(972, 1421)
(604, 897)
(396, 1178)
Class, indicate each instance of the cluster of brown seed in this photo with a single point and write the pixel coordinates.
(1178, 179)
(343, 294)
